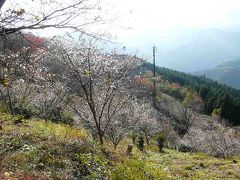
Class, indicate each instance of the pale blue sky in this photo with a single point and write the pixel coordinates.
(136, 19)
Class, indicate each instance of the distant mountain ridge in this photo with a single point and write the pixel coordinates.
(188, 49)
(227, 73)
(204, 49)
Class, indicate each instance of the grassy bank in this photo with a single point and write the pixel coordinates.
(35, 149)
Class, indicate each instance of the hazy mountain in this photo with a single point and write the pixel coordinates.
(227, 73)
(188, 50)
(204, 50)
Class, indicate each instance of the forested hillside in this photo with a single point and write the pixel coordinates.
(214, 94)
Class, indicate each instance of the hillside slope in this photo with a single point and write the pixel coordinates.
(36, 149)
(214, 94)
(227, 73)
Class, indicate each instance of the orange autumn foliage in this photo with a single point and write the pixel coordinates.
(145, 81)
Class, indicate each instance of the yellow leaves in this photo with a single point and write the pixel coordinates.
(89, 73)
(5, 82)
(188, 99)
(217, 112)
(7, 174)
(58, 132)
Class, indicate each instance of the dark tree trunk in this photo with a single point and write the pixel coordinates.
(147, 139)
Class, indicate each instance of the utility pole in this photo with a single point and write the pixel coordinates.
(154, 75)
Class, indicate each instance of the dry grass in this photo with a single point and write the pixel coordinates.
(35, 149)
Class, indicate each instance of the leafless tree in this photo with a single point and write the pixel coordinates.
(74, 14)
(187, 118)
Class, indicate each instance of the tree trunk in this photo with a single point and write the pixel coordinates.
(100, 138)
(10, 105)
(147, 139)
(100, 135)
(115, 146)
(129, 149)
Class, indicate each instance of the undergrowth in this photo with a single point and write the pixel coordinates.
(45, 150)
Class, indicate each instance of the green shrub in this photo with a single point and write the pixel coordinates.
(160, 138)
(217, 112)
(140, 143)
(133, 136)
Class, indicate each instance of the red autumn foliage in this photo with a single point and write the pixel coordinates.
(35, 42)
(146, 82)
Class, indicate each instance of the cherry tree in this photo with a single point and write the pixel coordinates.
(146, 120)
(18, 70)
(119, 128)
(46, 103)
(123, 123)
(95, 82)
